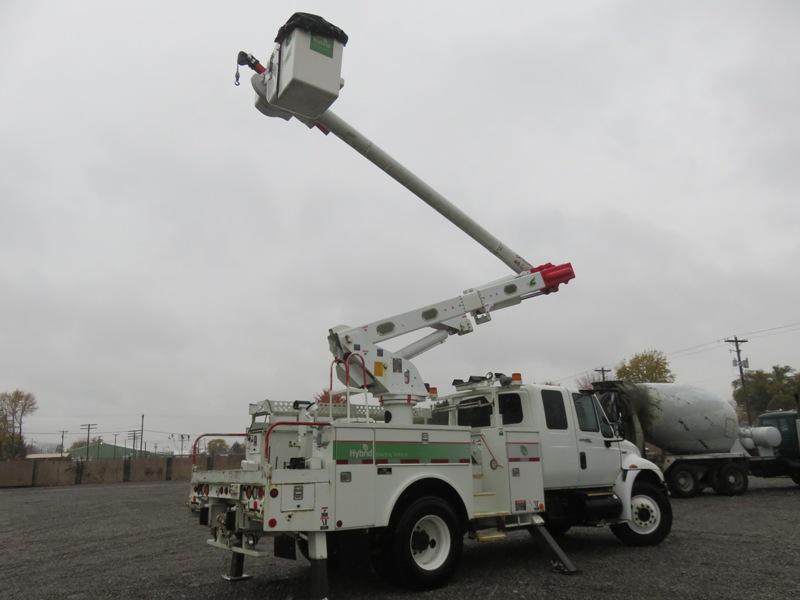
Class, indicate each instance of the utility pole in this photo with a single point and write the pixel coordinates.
(115, 445)
(156, 450)
(132, 436)
(88, 427)
(63, 431)
(736, 342)
(602, 371)
(141, 435)
(184, 437)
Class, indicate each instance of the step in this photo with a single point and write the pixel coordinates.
(490, 536)
(490, 514)
(484, 494)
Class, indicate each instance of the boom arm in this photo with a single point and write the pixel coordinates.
(301, 80)
(392, 375)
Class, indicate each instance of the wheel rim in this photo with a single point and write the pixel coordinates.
(430, 542)
(685, 481)
(734, 479)
(645, 515)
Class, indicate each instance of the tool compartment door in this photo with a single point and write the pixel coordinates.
(354, 454)
(526, 484)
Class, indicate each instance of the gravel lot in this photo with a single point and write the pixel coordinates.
(140, 541)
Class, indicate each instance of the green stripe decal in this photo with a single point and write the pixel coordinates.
(395, 451)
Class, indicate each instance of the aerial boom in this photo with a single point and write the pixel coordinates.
(302, 79)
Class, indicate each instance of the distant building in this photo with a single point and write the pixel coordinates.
(49, 456)
(103, 450)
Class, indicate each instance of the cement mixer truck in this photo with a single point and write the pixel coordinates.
(698, 434)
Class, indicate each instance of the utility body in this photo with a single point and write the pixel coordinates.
(407, 479)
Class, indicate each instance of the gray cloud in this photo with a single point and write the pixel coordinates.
(165, 249)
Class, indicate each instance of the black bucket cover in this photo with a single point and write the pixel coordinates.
(312, 24)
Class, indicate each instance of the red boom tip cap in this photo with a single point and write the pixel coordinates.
(555, 275)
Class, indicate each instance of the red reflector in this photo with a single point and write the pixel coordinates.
(273, 493)
(338, 523)
(272, 522)
(248, 491)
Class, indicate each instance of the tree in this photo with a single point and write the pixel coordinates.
(650, 366)
(237, 448)
(217, 446)
(14, 407)
(779, 389)
(586, 381)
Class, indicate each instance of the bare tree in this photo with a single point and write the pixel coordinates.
(15, 406)
(586, 381)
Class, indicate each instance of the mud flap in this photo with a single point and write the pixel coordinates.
(285, 547)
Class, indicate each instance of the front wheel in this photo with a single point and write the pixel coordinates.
(651, 517)
(796, 477)
(426, 544)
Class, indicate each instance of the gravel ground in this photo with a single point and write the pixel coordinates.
(140, 541)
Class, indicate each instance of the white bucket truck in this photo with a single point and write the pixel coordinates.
(497, 455)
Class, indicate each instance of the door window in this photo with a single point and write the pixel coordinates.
(555, 415)
(587, 417)
(510, 408)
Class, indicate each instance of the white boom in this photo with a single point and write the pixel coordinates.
(302, 80)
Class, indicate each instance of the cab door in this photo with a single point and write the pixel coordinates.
(598, 448)
(557, 433)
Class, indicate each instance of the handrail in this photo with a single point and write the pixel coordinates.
(202, 435)
(347, 380)
(279, 423)
(346, 363)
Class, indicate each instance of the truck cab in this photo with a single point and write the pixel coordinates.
(587, 470)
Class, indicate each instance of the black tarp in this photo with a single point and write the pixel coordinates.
(312, 24)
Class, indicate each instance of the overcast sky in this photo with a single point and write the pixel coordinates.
(165, 249)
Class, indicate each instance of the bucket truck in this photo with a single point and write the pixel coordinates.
(497, 456)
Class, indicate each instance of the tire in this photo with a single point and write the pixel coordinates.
(796, 477)
(683, 482)
(651, 517)
(425, 544)
(731, 480)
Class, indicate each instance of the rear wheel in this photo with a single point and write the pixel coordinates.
(796, 477)
(651, 517)
(731, 480)
(426, 544)
(682, 482)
